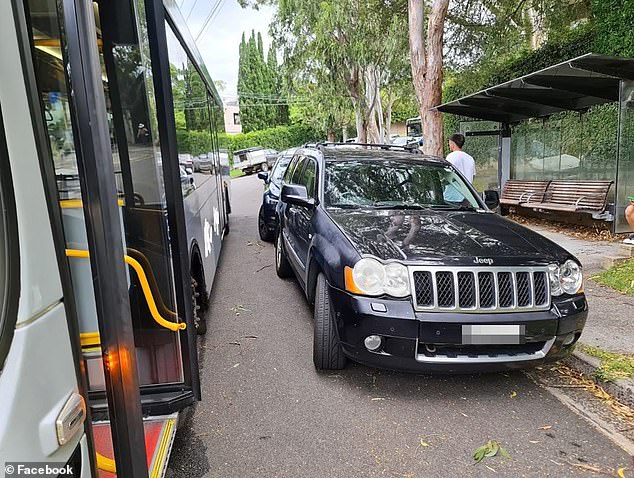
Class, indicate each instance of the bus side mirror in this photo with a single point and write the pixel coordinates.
(492, 198)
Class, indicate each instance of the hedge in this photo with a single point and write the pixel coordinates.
(280, 138)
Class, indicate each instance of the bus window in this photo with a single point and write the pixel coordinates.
(195, 132)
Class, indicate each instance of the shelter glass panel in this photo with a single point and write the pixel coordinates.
(569, 145)
(485, 150)
(625, 176)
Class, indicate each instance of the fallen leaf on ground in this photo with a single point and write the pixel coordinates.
(236, 309)
(583, 466)
(533, 441)
(489, 449)
(621, 472)
(545, 427)
(423, 443)
(513, 394)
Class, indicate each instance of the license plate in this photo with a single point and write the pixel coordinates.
(477, 334)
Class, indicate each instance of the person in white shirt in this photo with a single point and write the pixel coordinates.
(462, 161)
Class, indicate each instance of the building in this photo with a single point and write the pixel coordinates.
(232, 117)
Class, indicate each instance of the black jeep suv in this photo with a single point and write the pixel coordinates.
(408, 268)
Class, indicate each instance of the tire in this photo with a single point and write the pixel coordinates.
(282, 266)
(199, 322)
(265, 233)
(327, 352)
(264, 167)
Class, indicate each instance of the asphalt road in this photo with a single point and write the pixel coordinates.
(266, 412)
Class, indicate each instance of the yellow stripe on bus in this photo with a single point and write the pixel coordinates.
(163, 449)
(78, 203)
(89, 339)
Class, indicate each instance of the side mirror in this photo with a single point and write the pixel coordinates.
(297, 195)
(189, 170)
(492, 198)
(263, 175)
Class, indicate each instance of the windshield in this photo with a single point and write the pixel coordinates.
(395, 184)
(278, 171)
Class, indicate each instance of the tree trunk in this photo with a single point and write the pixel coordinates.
(371, 86)
(427, 62)
(388, 120)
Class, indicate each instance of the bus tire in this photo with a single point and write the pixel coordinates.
(327, 352)
(282, 266)
(264, 167)
(199, 321)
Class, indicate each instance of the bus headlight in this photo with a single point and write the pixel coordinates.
(565, 279)
(371, 277)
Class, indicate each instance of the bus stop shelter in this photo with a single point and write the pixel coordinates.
(576, 85)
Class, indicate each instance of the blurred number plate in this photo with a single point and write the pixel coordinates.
(493, 334)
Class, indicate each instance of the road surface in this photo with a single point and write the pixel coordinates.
(266, 412)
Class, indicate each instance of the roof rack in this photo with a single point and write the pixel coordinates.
(410, 148)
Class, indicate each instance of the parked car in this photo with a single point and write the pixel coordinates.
(186, 160)
(267, 219)
(407, 141)
(188, 184)
(271, 157)
(409, 269)
(250, 160)
(203, 163)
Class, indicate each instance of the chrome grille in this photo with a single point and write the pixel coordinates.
(480, 289)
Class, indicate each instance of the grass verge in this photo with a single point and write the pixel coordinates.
(236, 173)
(620, 277)
(613, 366)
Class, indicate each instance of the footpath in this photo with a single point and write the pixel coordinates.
(610, 325)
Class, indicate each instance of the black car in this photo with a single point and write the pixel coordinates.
(267, 219)
(409, 269)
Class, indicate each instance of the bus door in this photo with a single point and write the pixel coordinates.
(40, 386)
(107, 144)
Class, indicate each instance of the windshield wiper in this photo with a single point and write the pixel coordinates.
(451, 207)
(390, 205)
(344, 206)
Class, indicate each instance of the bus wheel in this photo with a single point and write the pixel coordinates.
(199, 322)
(264, 167)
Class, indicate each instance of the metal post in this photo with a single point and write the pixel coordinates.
(504, 163)
(103, 228)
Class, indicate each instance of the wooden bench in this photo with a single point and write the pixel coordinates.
(575, 196)
(518, 193)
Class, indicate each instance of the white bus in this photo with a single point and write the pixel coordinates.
(108, 250)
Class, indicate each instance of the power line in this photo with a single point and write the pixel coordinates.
(212, 14)
(191, 10)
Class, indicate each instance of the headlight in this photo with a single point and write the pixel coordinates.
(565, 279)
(371, 277)
(396, 280)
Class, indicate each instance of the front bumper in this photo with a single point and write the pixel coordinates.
(407, 334)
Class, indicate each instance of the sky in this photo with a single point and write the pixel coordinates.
(219, 45)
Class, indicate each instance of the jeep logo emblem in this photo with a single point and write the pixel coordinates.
(482, 260)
